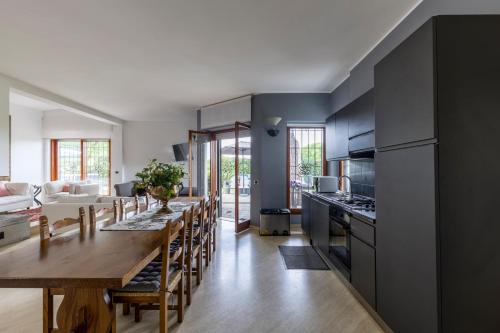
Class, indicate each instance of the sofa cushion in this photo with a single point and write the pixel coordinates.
(3, 190)
(90, 189)
(54, 187)
(12, 199)
(77, 198)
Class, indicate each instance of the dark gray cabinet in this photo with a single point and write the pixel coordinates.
(306, 214)
(406, 239)
(330, 137)
(362, 115)
(320, 218)
(363, 270)
(433, 195)
(351, 129)
(340, 147)
(404, 91)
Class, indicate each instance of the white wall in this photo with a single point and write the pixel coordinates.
(4, 129)
(27, 157)
(61, 124)
(143, 141)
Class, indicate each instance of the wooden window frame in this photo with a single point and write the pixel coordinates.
(298, 211)
(54, 172)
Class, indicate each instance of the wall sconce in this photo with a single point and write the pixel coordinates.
(272, 126)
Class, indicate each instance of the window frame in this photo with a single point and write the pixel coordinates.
(54, 171)
(298, 211)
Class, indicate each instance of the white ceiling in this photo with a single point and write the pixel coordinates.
(140, 60)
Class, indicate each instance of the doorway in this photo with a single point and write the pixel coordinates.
(225, 164)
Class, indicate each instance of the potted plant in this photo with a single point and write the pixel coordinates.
(161, 180)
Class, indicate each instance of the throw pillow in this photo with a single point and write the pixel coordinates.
(65, 188)
(3, 190)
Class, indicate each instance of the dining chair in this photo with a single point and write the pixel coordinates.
(145, 206)
(207, 231)
(152, 288)
(212, 225)
(129, 207)
(194, 249)
(199, 237)
(46, 232)
(103, 215)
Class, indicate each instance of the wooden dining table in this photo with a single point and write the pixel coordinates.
(86, 265)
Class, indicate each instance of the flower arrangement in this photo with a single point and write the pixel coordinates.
(161, 180)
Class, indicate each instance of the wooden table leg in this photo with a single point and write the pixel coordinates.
(86, 310)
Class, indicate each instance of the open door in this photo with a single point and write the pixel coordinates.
(242, 171)
(201, 150)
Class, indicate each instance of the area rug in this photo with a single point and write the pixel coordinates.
(33, 213)
(302, 257)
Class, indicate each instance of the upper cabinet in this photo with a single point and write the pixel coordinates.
(362, 115)
(404, 91)
(351, 129)
(329, 136)
(340, 143)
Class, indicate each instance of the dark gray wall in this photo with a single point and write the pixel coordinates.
(269, 153)
(361, 76)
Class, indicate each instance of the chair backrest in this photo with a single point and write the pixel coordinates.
(47, 231)
(103, 215)
(201, 215)
(194, 215)
(129, 206)
(141, 208)
(175, 229)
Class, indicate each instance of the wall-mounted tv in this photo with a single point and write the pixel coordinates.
(181, 151)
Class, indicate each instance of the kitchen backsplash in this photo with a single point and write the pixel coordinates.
(362, 173)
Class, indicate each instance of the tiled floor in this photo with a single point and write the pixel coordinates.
(246, 289)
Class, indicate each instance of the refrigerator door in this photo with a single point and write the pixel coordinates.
(405, 192)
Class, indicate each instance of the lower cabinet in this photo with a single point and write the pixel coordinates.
(306, 215)
(363, 270)
(320, 216)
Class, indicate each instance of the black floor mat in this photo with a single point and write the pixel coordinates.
(302, 257)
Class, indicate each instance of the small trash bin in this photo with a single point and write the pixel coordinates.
(274, 222)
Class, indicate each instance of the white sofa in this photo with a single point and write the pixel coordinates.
(53, 190)
(68, 206)
(21, 197)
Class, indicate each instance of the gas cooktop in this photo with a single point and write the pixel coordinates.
(356, 204)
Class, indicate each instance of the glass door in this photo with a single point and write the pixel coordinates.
(242, 171)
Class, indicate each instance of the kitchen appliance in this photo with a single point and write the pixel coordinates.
(274, 222)
(342, 210)
(325, 184)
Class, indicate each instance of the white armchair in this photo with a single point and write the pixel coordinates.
(21, 197)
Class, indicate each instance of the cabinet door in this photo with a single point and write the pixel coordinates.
(341, 134)
(404, 91)
(305, 222)
(363, 270)
(324, 227)
(314, 221)
(405, 192)
(329, 137)
(319, 225)
(362, 115)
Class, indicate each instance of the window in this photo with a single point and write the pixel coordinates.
(77, 159)
(306, 159)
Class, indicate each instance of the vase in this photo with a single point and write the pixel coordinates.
(164, 195)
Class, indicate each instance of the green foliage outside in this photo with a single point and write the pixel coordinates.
(227, 168)
(311, 157)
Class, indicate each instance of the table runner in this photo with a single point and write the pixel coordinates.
(150, 220)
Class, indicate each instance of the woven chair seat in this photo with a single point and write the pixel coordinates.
(148, 280)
